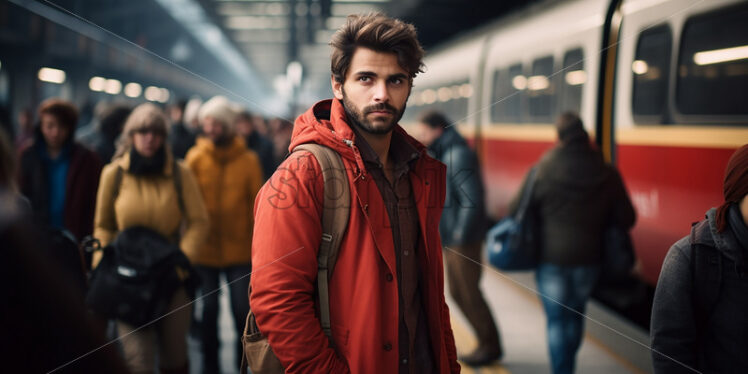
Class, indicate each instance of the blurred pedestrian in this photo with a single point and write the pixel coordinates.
(462, 229)
(257, 142)
(281, 131)
(138, 189)
(181, 139)
(576, 196)
(25, 136)
(58, 175)
(190, 115)
(229, 176)
(107, 128)
(700, 311)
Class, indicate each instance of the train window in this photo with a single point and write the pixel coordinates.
(651, 69)
(713, 65)
(574, 78)
(540, 90)
(509, 101)
(496, 92)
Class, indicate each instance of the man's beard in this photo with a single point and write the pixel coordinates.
(359, 120)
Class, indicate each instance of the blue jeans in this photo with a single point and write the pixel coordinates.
(564, 292)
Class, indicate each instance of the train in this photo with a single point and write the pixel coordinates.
(662, 85)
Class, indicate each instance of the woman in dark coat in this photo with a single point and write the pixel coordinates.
(700, 311)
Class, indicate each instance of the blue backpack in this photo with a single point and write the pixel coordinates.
(514, 243)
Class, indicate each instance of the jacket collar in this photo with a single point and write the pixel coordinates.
(124, 161)
(236, 148)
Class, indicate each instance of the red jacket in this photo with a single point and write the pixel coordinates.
(363, 288)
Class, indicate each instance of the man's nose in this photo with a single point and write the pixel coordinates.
(381, 92)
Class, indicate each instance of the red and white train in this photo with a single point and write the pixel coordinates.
(661, 84)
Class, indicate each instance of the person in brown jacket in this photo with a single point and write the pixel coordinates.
(146, 196)
(229, 175)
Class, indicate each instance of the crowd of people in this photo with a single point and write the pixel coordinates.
(194, 174)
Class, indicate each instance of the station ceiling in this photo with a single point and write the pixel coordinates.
(273, 33)
(246, 47)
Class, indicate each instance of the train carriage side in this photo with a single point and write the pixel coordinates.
(536, 67)
(680, 112)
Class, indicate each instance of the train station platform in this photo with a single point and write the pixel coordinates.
(611, 345)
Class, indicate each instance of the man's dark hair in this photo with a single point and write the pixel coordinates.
(379, 33)
(64, 111)
(434, 119)
(570, 127)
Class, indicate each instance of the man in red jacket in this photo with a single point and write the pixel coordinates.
(386, 293)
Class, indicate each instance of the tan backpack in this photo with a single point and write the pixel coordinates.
(335, 213)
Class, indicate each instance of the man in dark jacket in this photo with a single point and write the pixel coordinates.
(576, 197)
(699, 315)
(462, 230)
(59, 176)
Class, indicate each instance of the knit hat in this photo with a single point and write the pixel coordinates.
(735, 187)
(220, 109)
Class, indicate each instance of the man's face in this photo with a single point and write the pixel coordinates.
(55, 134)
(375, 90)
(214, 130)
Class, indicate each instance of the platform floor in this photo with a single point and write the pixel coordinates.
(521, 320)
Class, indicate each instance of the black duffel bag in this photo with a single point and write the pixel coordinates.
(137, 277)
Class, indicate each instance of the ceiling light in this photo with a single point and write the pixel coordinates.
(519, 82)
(133, 89)
(575, 77)
(51, 75)
(97, 84)
(113, 86)
(639, 67)
(152, 93)
(721, 55)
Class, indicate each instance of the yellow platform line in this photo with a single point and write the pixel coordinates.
(466, 340)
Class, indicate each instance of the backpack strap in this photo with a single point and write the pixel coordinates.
(177, 175)
(706, 264)
(524, 202)
(335, 214)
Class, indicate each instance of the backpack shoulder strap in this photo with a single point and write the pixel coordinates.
(177, 175)
(335, 214)
(706, 263)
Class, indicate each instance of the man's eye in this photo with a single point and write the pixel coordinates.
(396, 80)
(364, 79)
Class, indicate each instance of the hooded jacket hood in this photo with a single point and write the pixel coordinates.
(575, 168)
(325, 123)
(725, 242)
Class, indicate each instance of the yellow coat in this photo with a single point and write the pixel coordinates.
(229, 178)
(150, 202)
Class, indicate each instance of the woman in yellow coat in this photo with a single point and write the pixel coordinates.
(146, 195)
(229, 176)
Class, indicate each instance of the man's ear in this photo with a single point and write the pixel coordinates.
(337, 88)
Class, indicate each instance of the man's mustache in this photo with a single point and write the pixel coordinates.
(379, 108)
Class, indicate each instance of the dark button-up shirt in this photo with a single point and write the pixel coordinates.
(415, 350)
